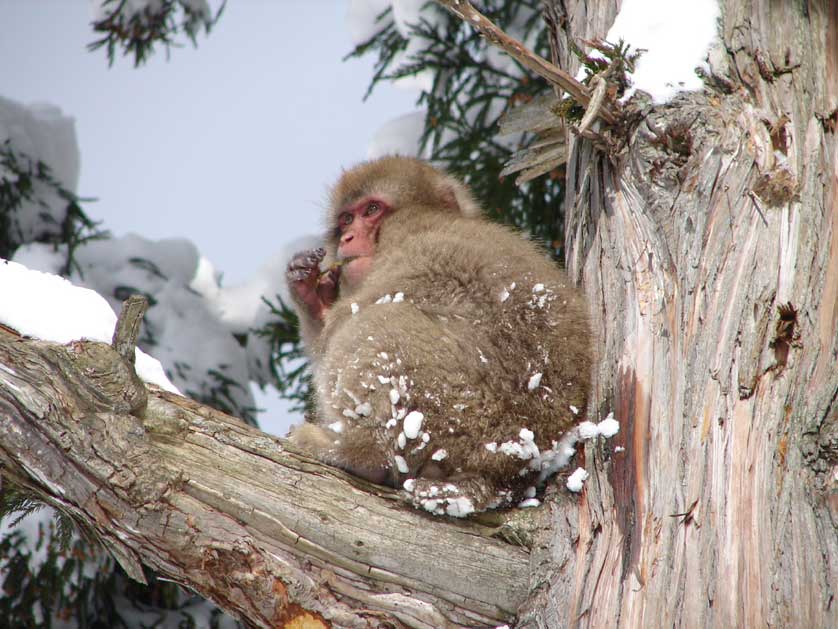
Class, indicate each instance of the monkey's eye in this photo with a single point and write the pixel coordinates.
(373, 207)
(345, 219)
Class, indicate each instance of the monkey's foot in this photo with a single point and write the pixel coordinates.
(454, 497)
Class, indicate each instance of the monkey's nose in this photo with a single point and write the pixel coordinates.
(346, 238)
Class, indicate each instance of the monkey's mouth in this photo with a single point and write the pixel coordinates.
(338, 264)
(355, 268)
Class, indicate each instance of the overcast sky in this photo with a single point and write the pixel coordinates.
(231, 144)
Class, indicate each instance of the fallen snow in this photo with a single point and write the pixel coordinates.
(608, 427)
(676, 36)
(459, 507)
(413, 424)
(361, 19)
(576, 480)
(400, 136)
(41, 132)
(50, 308)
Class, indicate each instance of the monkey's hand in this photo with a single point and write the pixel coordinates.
(313, 290)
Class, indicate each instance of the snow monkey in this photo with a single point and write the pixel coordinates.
(450, 355)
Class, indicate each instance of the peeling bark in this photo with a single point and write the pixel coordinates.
(723, 508)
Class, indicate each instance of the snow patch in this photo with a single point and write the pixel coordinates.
(534, 381)
(459, 507)
(676, 36)
(413, 424)
(607, 428)
(32, 304)
(577, 479)
(440, 454)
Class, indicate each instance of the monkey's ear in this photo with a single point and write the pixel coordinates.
(457, 197)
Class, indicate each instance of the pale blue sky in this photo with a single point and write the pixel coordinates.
(231, 144)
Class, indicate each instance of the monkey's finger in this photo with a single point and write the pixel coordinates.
(327, 286)
(307, 259)
(299, 275)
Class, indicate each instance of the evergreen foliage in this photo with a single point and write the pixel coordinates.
(27, 181)
(289, 367)
(137, 33)
(62, 578)
(469, 94)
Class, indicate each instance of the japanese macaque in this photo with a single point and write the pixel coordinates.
(450, 354)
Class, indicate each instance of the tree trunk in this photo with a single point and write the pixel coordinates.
(721, 209)
(226, 510)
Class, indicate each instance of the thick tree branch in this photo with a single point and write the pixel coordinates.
(229, 511)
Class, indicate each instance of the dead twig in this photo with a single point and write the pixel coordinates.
(543, 68)
(127, 328)
(595, 106)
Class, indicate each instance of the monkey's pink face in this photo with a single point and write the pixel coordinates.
(358, 227)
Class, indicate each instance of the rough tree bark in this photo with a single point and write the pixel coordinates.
(719, 208)
(226, 510)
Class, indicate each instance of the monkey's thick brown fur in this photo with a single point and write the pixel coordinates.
(484, 311)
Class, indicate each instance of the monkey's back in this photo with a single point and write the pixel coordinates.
(471, 326)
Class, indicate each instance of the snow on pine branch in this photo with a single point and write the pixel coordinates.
(135, 26)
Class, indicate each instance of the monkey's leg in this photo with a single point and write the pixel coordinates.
(349, 451)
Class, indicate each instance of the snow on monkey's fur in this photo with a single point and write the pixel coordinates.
(489, 342)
